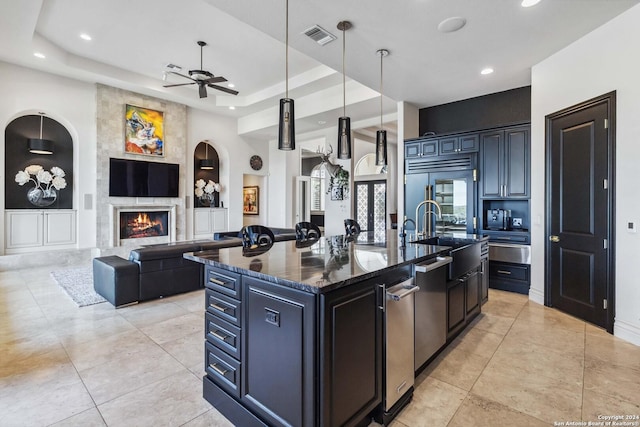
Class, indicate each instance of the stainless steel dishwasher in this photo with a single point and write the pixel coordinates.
(430, 308)
(399, 372)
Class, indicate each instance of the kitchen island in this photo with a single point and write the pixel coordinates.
(294, 332)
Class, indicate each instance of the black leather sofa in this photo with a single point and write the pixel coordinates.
(157, 271)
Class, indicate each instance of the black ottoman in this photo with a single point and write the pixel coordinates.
(116, 279)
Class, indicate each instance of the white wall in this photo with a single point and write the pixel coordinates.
(73, 104)
(603, 61)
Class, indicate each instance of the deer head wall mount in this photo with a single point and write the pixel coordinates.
(339, 178)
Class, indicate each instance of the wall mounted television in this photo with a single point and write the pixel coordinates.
(136, 178)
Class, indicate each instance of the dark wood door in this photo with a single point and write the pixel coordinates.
(517, 164)
(579, 217)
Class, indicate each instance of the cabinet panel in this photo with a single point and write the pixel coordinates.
(59, 228)
(449, 145)
(491, 165)
(219, 220)
(223, 335)
(456, 309)
(224, 307)
(469, 144)
(517, 163)
(222, 369)
(24, 229)
(429, 148)
(278, 356)
(352, 349)
(473, 296)
(412, 150)
(207, 221)
(201, 221)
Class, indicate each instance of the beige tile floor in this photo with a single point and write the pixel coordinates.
(520, 364)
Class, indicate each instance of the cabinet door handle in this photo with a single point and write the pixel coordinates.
(221, 371)
(504, 272)
(220, 336)
(383, 305)
(218, 307)
(216, 281)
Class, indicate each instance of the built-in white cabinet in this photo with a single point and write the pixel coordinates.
(32, 229)
(207, 221)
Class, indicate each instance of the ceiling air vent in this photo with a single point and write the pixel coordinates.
(319, 35)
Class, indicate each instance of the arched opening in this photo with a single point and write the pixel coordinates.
(206, 166)
(367, 165)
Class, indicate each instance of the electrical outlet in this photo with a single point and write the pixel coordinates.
(516, 222)
(631, 227)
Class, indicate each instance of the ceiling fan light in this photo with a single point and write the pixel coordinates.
(344, 138)
(286, 126)
(40, 146)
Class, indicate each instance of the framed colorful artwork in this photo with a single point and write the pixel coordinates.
(144, 131)
(251, 200)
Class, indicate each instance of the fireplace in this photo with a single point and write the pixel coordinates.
(143, 224)
(136, 225)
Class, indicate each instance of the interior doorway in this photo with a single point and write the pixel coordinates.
(580, 211)
(370, 200)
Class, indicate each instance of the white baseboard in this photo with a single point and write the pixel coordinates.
(536, 296)
(627, 331)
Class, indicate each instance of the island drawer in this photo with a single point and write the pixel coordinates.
(222, 369)
(508, 271)
(223, 307)
(223, 335)
(223, 281)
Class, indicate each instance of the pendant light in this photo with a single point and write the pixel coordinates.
(344, 122)
(381, 135)
(286, 128)
(206, 163)
(40, 145)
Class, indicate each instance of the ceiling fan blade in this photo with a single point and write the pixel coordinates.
(181, 75)
(179, 84)
(203, 91)
(218, 79)
(224, 89)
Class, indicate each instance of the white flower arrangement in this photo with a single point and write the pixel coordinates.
(204, 191)
(42, 179)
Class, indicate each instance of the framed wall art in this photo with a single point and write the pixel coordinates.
(251, 200)
(144, 131)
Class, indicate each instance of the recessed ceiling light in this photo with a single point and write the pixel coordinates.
(231, 85)
(231, 107)
(85, 36)
(322, 122)
(486, 71)
(452, 24)
(39, 55)
(529, 3)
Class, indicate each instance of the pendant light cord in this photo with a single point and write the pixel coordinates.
(286, 55)
(41, 120)
(344, 90)
(381, 56)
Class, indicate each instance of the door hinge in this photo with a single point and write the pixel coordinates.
(475, 175)
(604, 304)
(605, 184)
(606, 123)
(605, 244)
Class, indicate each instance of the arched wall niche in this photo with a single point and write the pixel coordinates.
(18, 157)
(203, 151)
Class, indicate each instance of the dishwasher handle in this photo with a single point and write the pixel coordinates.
(427, 267)
(402, 290)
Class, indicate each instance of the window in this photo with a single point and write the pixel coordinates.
(318, 187)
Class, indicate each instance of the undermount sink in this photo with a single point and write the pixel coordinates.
(442, 241)
(465, 255)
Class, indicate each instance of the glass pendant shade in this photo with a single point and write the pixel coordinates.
(344, 138)
(381, 148)
(40, 146)
(286, 128)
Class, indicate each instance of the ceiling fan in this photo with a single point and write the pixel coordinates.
(202, 78)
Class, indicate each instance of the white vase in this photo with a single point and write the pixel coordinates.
(41, 198)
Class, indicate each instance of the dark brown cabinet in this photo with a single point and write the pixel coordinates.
(421, 149)
(509, 277)
(505, 163)
(464, 300)
(473, 296)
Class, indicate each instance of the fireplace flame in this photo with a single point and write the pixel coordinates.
(142, 225)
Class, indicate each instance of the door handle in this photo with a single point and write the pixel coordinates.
(554, 239)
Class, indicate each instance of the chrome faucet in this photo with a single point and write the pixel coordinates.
(403, 234)
(426, 225)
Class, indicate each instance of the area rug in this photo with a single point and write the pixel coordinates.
(78, 284)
